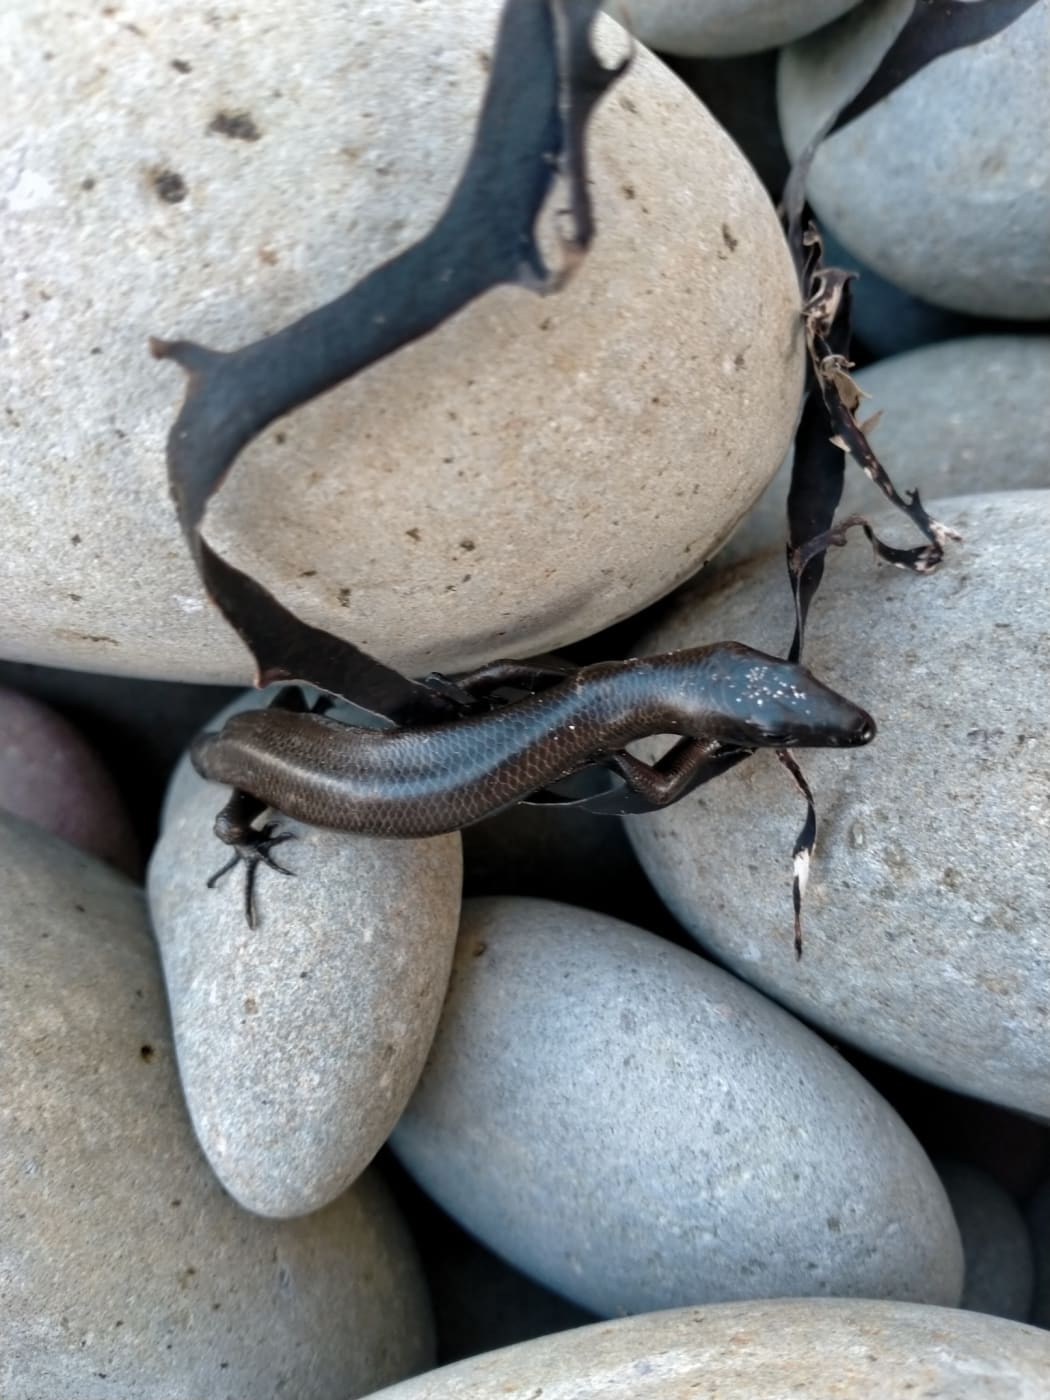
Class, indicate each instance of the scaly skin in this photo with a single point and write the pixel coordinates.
(428, 779)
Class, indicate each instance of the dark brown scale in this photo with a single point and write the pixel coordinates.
(434, 778)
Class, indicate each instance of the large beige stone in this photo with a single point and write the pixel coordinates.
(534, 470)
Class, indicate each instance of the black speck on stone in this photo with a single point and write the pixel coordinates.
(181, 66)
(238, 126)
(170, 186)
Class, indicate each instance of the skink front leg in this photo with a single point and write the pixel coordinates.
(685, 766)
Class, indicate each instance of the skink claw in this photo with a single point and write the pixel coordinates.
(253, 848)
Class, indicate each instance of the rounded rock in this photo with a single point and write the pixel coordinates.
(636, 1129)
(50, 776)
(299, 1042)
(996, 1242)
(741, 1351)
(528, 473)
(724, 28)
(943, 186)
(967, 415)
(129, 1273)
(927, 919)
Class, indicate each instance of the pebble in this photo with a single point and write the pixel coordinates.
(865, 1350)
(928, 907)
(966, 415)
(886, 319)
(722, 28)
(636, 1129)
(532, 471)
(50, 776)
(943, 187)
(299, 1042)
(996, 1242)
(130, 1274)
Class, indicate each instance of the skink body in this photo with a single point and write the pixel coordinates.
(434, 778)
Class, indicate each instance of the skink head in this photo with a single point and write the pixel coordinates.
(761, 701)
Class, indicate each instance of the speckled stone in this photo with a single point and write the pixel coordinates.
(927, 928)
(943, 187)
(527, 474)
(50, 776)
(996, 1242)
(762, 1351)
(128, 1274)
(299, 1042)
(721, 28)
(636, 1129)
(966, 415)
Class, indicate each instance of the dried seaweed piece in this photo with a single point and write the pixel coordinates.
(545, 80)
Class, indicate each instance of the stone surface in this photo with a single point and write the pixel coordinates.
(720, 28)
(996, 1242)
(299, 1042)
(1038, 1216)
(50, 776)
(636, 1129)
(927, 929)
(888, 320)
(527, 474)
(808, 1349)
(966, 415)
(943, 187)
(127, 1273)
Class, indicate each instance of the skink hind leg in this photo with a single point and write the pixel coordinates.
(468, 690)
(251, 845)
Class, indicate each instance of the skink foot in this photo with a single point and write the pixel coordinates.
(253, 848)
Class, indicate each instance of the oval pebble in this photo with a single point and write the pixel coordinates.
(806, 1348)
(636, 1129)
(50, 776)
(996, 1242)
(928, 911)
(129, 1273)
(943, 186)
(963, 416)
(299, 1042)
(722, 28)
(531, 471)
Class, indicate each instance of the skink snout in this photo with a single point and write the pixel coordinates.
(767, 702)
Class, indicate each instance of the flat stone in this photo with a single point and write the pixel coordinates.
(740, 1351)
(966, 415)
(299, 1042)
(943, 186)
(50, 776)
(722, 28)
(530, 472)
(996, 1242)
(928, 911)
(636, 1129)
(129, 1273)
